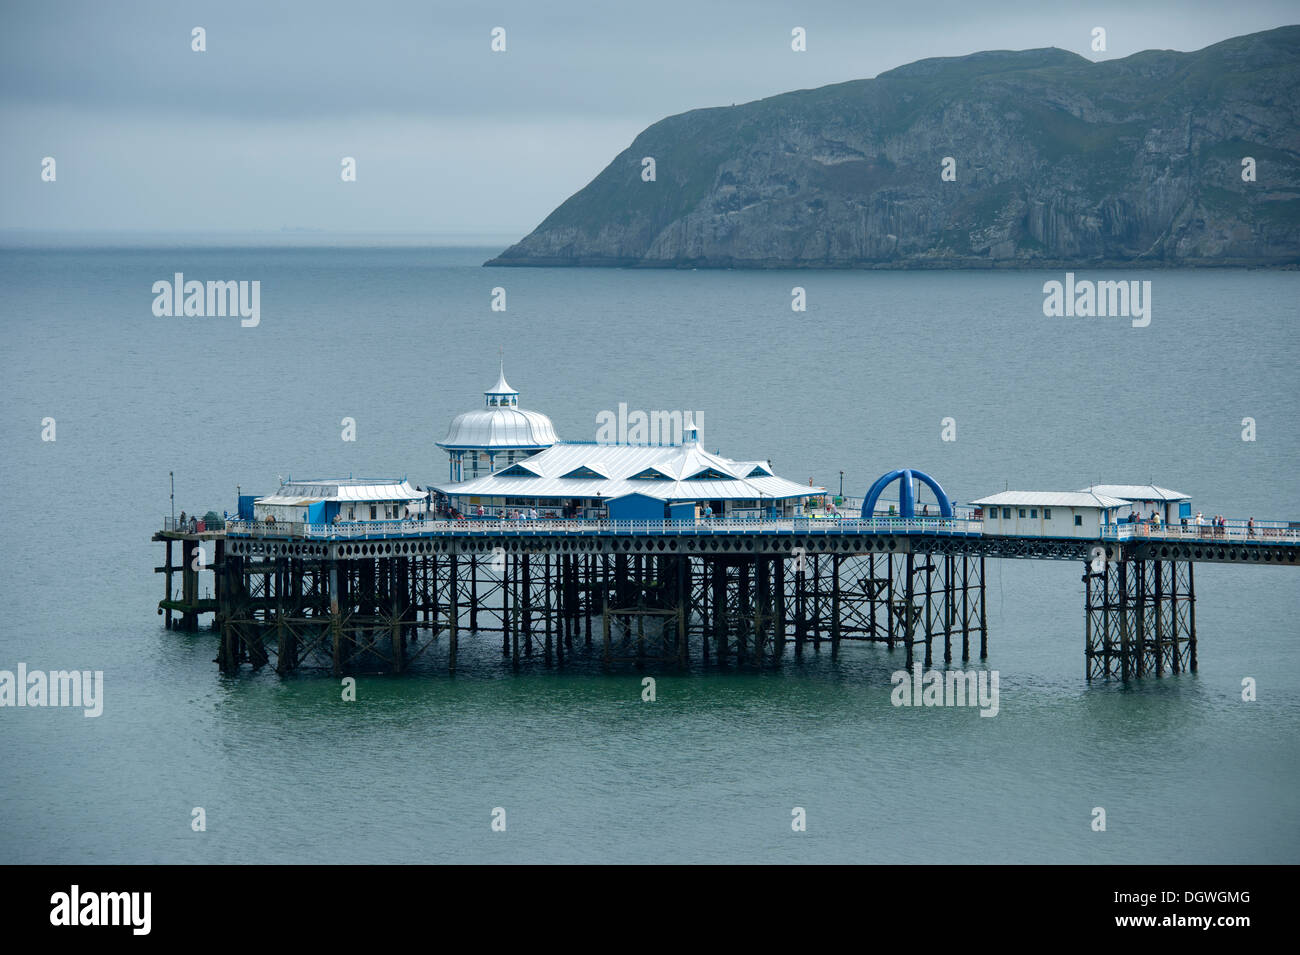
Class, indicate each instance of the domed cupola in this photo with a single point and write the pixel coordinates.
(497, 435)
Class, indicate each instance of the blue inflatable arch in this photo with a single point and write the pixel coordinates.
(906, 493)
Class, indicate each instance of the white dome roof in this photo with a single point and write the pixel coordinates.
(501, 423)
(500, 428)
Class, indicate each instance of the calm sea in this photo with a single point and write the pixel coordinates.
(401, 337)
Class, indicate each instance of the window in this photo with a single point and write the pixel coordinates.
(1047, 513)
(1022, 512)
(374, 512)
(1006, 513)
(1078, 520)
(1033, 512)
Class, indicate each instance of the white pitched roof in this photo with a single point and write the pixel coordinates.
(1138, 492)
(681, 463)
(1049, 499)
(342, 489)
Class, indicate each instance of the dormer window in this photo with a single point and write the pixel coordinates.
(710, 474)
(518, 470)
(584, 472)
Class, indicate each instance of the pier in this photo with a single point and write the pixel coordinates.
(373, 597)
(664, 552)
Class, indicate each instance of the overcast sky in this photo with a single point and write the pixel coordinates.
(448, 136)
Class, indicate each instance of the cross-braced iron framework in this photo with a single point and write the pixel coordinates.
(1139, 618)
(719, 599)
(379, 612)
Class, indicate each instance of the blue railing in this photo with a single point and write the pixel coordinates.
(488, 527)
(1235, 531)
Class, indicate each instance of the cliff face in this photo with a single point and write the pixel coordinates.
(1059, 161)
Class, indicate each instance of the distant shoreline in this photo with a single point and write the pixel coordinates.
(26, 239)
(911, 265)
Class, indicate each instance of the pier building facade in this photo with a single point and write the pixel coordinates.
(507, 462)
(342, 500)
(1142, 499)
(1074, 514)
(632, 482)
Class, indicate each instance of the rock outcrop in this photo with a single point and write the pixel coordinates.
(1058, 161)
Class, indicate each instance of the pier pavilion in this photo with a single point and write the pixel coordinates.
(507, 462)
(631, 482)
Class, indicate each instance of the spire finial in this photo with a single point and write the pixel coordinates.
(502, 395)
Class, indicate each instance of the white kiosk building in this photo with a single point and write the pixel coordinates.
(1079, 514)
(345, 499)
(1145, 498)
